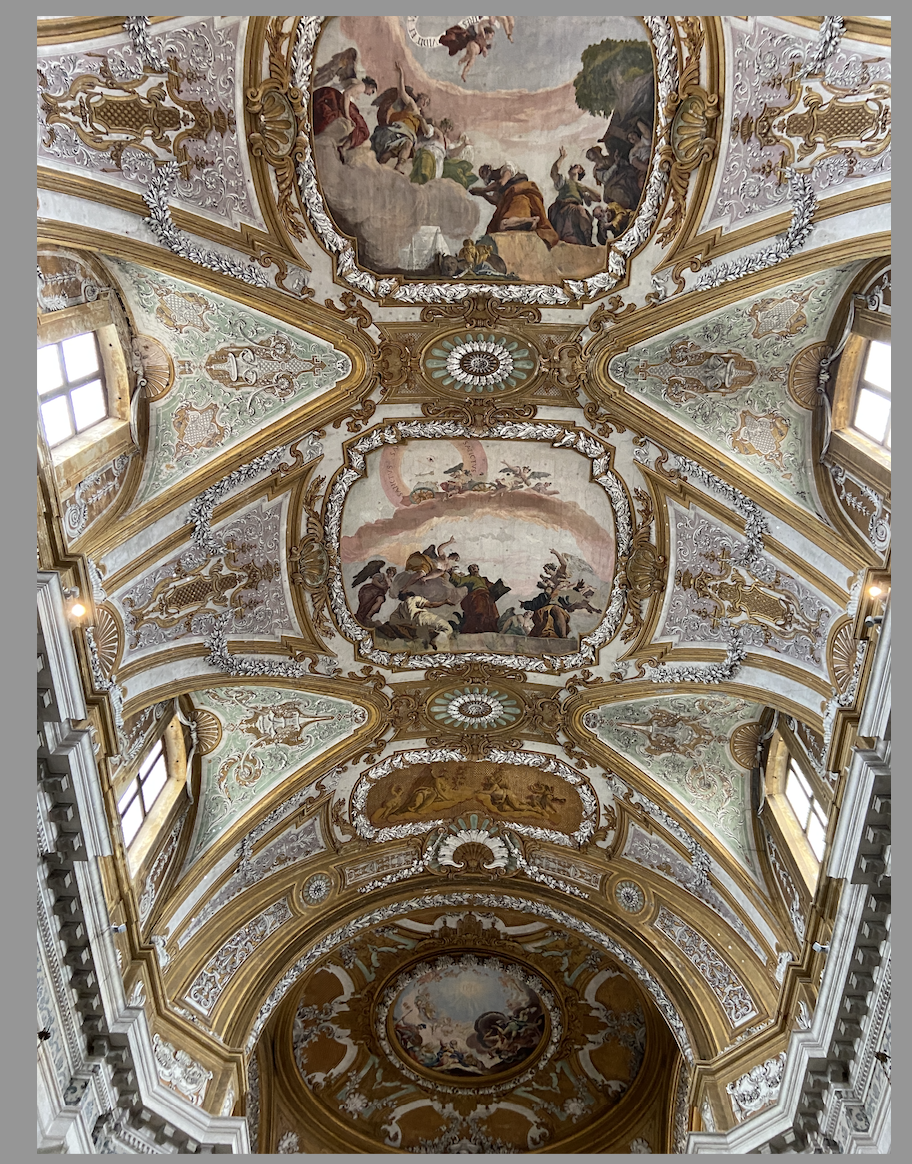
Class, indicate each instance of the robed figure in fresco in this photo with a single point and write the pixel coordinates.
(479, 605)
(519, 203)
(329, 103)
(567, 213)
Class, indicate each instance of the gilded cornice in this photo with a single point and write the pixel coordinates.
(869, 28)
(64, 30)
(717, 241)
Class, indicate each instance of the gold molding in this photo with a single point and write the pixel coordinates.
(717, 240)
(857, 27)
(63, 30)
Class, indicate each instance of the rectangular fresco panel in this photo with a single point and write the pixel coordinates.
(470, 545)
(497, 147)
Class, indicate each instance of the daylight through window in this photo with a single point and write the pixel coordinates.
(808, 811)
(873, 403)
(71, 387)
(142, 792)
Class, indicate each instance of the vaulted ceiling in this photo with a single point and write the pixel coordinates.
(519, 783)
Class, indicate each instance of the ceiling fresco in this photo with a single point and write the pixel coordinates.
(477, 521)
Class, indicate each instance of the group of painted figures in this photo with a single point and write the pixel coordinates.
(408, 139)
(433, 579)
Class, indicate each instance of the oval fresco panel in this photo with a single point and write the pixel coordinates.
(464, 1017)
(508, 149)
(471, 546)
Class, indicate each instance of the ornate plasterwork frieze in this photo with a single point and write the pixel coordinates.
(788, 890)
(156, 875)
(755, 524)
(864, 499)
(804, 203)
(290, 848)
(832, 30)
(814, 107)
(162, 226)
(477, 900)
(724, 982)
(757, 1088)
(494, 851)
(654, 853)
(203, 507)
(559, 436)
(700, 860)
(225, 660)
(719, 588)
(138, 29)
(179, 1071)
(93, 496)
(704, 672)
(544, 763)
(210, 983)
(666, 62)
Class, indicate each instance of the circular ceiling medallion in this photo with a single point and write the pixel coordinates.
(317, 888)
(629, 896)
(466, 1020)
(475, 708)
(480, 363)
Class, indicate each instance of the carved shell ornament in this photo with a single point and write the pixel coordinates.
(843, 655)
(743, 744)
(108, 640)
(804, 374)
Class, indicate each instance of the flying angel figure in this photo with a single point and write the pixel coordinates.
(330, 103)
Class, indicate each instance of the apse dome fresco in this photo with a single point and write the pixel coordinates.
(464, 557)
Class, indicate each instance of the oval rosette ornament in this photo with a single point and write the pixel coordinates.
(479, 363)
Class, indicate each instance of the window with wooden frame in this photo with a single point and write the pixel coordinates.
(810, 815)
(83, 388)
(799, 803)
(145, 798)
(862, 402)
(141, 793)
(71, 387)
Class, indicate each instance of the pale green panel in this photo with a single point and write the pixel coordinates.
(235, 372)
(682, 742)
(268, 734)
(726, 377)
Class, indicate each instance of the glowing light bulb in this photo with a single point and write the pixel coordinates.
(77, 610)
(875, 591)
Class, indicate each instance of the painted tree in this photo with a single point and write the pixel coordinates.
(608, 70)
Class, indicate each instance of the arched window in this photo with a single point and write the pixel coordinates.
(83, 385)
(862, 403)
(799, 803)
(147, 792)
